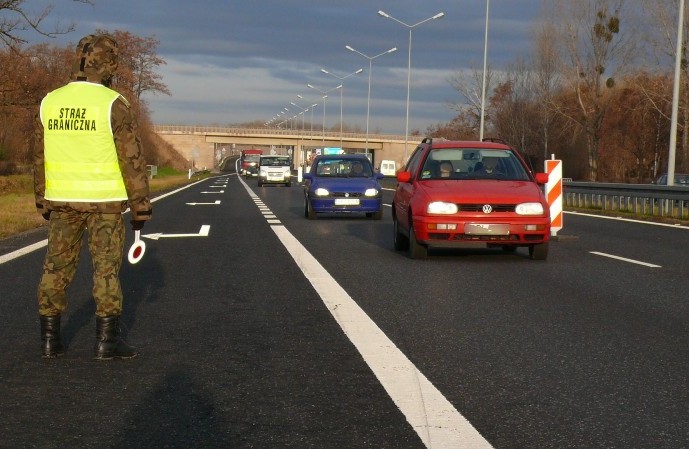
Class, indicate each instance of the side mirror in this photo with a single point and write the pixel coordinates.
(403, 176)
(308, 176)
(378, 175)
(541, 178)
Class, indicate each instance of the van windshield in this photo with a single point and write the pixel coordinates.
(275, 161)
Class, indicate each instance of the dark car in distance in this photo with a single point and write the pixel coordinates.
(681, 179)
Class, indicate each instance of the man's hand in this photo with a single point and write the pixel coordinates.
(46, 215)
(137, 225)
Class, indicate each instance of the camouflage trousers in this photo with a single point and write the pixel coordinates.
(106, 245)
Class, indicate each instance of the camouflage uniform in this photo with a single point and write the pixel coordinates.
(96, 61)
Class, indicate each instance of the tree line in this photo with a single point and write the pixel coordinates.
(595, 89)
(30, 72)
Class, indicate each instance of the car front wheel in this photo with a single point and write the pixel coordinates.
(378, 215)
(416, 250)
(400, 240)
(308, 210)
(538, 251)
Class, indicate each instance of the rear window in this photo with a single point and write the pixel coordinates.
(473, 163)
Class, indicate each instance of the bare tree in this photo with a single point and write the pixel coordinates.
(470, 85)
(138, 63)
(661, 36)
(548, 80)
(594, 54)
(14, 19)
(513, 106)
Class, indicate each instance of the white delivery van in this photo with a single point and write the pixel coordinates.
(388, 168)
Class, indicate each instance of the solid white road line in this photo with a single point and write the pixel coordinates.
(431, 415)
(638, 262)
(20, 252)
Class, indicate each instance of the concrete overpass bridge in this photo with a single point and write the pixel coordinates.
(206, 146)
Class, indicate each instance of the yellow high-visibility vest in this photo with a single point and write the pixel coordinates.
(81, 162)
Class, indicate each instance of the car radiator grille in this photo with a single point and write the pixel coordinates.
(479, 207)
(346, 194)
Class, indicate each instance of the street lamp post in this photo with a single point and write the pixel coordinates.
(675, 99)
(485, 64)
(324, 93)
(312, 108)
(341, 78)
(388, 16)
(370, 69)
(279, 115)
(303, 110)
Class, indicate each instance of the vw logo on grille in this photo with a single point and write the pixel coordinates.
(346, 195)
(487, 208)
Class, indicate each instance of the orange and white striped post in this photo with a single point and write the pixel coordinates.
(553, 192)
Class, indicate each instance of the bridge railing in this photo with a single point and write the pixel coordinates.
(303, 133)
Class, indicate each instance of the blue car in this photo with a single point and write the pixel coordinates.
(342, 183)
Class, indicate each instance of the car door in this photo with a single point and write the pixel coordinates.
(405, 190)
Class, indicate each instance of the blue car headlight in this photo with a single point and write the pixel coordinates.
(321, 192)
(371, 192)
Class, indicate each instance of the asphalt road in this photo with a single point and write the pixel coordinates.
(274, 331)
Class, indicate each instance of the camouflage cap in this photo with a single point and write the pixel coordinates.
(95, 58)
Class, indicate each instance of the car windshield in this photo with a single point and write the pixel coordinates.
(275, 161)
(252, 157)
(343, 168)
(680, 179)
(473, 163)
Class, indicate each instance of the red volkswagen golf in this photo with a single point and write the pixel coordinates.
(459, 194)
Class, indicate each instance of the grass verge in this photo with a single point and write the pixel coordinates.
(18, 209)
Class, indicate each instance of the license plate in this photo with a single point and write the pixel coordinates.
(486, 229)
(346, 201)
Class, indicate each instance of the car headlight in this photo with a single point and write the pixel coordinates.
(371, 192)
(321, 192)
(529, 209)
(264, 173)
(441, 207)
(287, 173)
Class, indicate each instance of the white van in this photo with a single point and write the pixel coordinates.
(388, 168)
(274, 169)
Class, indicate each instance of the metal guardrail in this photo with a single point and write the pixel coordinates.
(638, 199)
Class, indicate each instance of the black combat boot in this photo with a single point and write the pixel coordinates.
(51, 343)
(109, 344)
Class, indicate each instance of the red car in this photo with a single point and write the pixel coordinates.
(459, 194)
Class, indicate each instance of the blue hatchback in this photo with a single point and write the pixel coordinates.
(342, 183)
